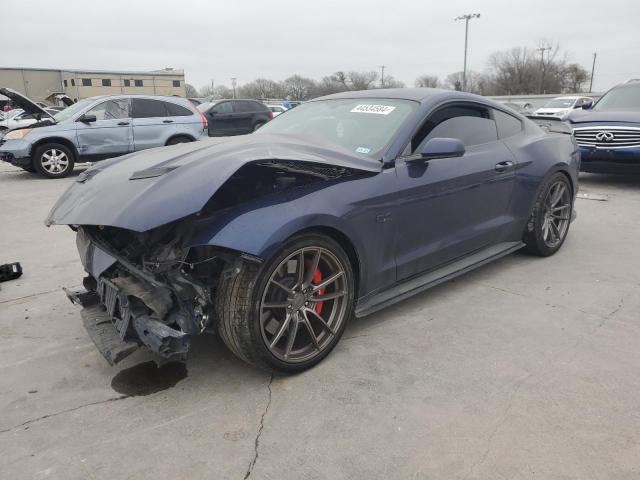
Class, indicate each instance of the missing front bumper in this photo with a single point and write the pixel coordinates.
(116, 337)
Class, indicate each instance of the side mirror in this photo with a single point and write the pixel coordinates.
(442, 148)
(87, 118)
(587, 105)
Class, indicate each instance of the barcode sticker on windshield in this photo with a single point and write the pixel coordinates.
(377, 109)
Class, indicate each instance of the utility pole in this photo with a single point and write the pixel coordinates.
(593, 70)
(466, 19)
(233, 84)
(212, 86)
(542, 50)
(382, 67)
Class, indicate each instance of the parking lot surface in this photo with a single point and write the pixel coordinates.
(525, 368)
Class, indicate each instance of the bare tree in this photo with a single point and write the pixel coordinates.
(391, 82)
(298, 88)
(575, 78)
(261, 88)
(429, 81)
(219, 91)
(190, 91)
(362, 80)
(454, 81)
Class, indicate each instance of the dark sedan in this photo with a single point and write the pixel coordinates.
(344, 205)
(234, 117)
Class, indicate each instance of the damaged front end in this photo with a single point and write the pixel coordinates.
(145, 289)
(157, 288)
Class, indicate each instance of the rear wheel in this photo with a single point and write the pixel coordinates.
(257, 126)
(53, 160)
(288, 314)
(176, 140)
(549, 222)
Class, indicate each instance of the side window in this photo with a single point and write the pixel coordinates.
(147, 108)
(111, 110)
(176, 110)
(224, 107)
(138, 83)
(471, 124)
(243, 107)
(508, 125)
(86, 82)
(127, 82)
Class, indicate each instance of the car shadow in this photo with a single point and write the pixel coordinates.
(622, 181)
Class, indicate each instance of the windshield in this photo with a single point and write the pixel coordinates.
(560, 103)
(620, 98)
(72, 110)
(362, 125)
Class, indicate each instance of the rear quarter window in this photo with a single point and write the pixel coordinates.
(147, 108)
(178, 110)
(508, 125)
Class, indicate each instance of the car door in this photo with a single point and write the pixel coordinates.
(152, 126)
(221, 119)
(243, 113)
(110, 134)
(451, 207)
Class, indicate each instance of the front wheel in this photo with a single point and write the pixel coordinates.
(551, 216)
(53, 160)
(288, 314)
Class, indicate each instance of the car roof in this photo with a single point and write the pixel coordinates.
(153, 97)
(416, 94)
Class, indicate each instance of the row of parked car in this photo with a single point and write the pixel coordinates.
(50, 141)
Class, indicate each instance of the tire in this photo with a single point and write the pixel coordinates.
(550, 218)
(177, 140)
(53, 160)
(258, 125)
(261, 335)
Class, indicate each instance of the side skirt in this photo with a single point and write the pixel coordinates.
(419, 284)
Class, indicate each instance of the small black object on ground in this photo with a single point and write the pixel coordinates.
(10, 271)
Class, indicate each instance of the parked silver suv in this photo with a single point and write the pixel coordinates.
(97, 128)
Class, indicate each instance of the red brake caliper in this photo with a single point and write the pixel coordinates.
(316, 279)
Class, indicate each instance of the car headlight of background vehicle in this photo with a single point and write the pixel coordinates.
(17, 134)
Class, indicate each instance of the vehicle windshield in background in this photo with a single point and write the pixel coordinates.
(560, 103)
(71, 110)
(363, 125)
(621, 98)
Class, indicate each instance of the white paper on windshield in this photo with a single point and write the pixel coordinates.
(377, 109)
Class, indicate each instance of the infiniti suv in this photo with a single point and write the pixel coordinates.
(608, 132)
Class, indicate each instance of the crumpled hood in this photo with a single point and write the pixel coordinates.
(153, 187)
(594, 116)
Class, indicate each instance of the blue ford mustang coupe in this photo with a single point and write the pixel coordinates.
(341, 206)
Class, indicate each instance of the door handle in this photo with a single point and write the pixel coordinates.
(122, 124)
(167, 121)
(504, 166)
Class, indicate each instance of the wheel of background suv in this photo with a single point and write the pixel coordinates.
(549, 222)
(53, 160)
(257, 126)
(289, 313)
(176, 140)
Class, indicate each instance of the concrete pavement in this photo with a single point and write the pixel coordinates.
(526, 368)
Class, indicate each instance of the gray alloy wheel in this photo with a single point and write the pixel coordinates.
(53, 160)
(288, 313)
(557, 214)
(303, 304)
(550, 218)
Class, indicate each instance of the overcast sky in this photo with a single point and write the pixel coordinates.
(211, 39)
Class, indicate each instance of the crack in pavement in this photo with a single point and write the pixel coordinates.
(256, 444)
(31, 295)
(61, 412)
